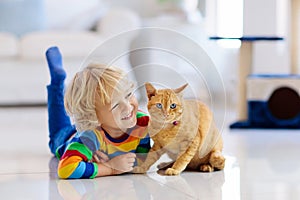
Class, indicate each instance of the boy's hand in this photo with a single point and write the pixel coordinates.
(100, 157)
(122, 163)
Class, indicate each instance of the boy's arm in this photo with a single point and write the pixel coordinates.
(104, 170)
(76, 168)
(76, 159)
(76, 163)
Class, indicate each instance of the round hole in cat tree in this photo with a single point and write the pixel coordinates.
(284, 103)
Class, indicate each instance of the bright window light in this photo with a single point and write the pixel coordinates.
(230, 21)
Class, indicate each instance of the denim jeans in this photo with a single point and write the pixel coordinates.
(59, 123)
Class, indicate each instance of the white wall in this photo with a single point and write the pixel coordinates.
(73, 14)
(260, 18)
(268, 18)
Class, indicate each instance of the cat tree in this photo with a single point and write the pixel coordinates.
(265, 101)
(268, 100)
(272, 102)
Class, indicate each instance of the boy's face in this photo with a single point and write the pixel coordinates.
(120, 114)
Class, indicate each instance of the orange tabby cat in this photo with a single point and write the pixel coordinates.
(184, 129)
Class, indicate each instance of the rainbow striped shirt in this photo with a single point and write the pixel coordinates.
(76, 154)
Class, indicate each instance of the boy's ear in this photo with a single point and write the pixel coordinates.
(180, 89)
(151, 91)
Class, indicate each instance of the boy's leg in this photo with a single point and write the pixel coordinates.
(60, 127)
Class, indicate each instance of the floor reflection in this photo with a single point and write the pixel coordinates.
(195, 184)
(154, 185)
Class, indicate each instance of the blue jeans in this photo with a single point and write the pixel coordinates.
(59, 123)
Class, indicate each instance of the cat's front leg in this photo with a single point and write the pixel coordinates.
(184, 159)
(152, 156)
(165, 165)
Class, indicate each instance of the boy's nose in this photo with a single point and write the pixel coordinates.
(127, 105)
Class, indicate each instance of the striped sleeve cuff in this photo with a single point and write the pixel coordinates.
(95, 170)
(91, 170)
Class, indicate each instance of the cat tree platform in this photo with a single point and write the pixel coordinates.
(273, 101)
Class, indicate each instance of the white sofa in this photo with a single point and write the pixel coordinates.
(23, 68)
(24, 73)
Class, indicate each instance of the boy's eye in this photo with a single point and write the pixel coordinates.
(116, 105)
(173, 105)
(128, 95)
(158, 105)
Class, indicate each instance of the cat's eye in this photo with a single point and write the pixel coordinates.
(173, 105)
(158, 105)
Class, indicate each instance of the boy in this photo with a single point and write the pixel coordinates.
(101, 103)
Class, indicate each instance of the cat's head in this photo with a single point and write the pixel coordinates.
(165, 105)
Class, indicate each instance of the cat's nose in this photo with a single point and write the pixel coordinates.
(166, 114)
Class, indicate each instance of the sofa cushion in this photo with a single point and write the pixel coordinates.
(9, 45)
(76, 44)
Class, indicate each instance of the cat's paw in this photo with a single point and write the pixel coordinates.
(171, 172)
(206, 168)
(217, 160)
(139, 170)
(165, 165)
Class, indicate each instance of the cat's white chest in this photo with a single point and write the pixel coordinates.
(173, 148)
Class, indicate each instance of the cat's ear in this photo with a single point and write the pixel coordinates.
(151, 91)
(180, 89)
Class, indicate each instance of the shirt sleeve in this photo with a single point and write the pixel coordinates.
(142, 118)
(75, 161)
(144, 145)
(142, 149)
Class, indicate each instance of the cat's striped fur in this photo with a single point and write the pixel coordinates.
(185, 130)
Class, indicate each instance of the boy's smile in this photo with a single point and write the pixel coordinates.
(119, 115)
(128, 116)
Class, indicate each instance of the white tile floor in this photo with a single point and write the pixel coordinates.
(261, 164)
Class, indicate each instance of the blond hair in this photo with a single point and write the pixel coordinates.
(95, 79)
